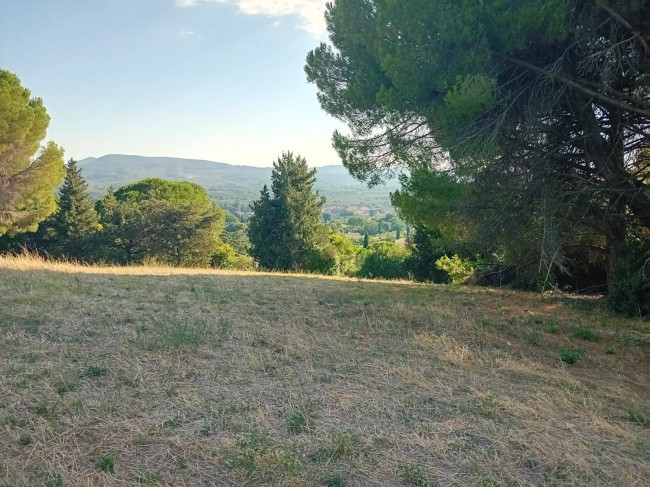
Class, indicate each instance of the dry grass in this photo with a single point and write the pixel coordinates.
(158, 376)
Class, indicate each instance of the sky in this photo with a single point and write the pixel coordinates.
(221, 80)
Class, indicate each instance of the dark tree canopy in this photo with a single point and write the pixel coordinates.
(542, 106)
(167, 221)
(29, 173)
(285, 227)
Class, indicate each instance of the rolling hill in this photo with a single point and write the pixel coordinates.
(226, 183)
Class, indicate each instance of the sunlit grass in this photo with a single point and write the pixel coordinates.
(152, 375)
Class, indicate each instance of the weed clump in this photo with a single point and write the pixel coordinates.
(106, 463)
(96, 371)
(586, 334)
(571, 356)
(412, 475)
(297, 422)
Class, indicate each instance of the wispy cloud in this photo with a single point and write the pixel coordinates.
(310, 12)
(186, 32)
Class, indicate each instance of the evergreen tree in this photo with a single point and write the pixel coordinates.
(398, 234)
(72, 227)
(28, 175)
(286, 226)
(540, 107)
(173, 222)
(366, 241)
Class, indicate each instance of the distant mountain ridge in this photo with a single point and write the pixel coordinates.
(226, 183)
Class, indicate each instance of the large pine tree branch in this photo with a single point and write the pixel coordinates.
(578, 86)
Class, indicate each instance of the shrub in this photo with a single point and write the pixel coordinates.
(571, 355)
(385, 260)
(225, 257)
(323, 261)
(337, 257)
(459, 270)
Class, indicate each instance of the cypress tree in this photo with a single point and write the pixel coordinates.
(398, 234)
(261, 230)
(366, 241)
(287, 226)
(76, 221)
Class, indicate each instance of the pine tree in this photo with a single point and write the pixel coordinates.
(75, 222)
(28, 175)
(366, 241)
(172, 222)
(286, 226)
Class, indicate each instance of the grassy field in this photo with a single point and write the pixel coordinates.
(127, 376)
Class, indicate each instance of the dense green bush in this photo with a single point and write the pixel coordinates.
(227, 258)
(385, 260)
(338, 257)
(459, 270)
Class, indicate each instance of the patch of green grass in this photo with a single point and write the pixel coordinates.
(25, 439)
(334, 481)
(586, 334)
(172, 422)
(206, 429)
(260, 460)
(171, 392)
(298, 422)
(64, 387)
(549, 325)
(571, 356)
(634, 415)
(106, 464)
(44, 409)
(412, 475)
(531, 337)
(16, 422)
(95, 371)
(149, 478)
(340, 445)
(174, 335)
(76, 406)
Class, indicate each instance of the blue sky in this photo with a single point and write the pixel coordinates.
(211, 79)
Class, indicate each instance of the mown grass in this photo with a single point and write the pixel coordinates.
(153, 376)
